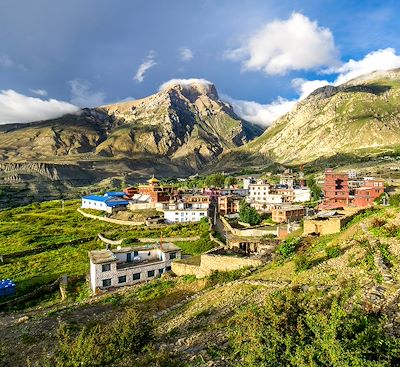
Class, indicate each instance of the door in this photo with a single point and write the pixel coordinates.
(128, 257)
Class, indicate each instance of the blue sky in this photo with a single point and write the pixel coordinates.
(88, 52)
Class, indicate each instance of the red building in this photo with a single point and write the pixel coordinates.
(156, 192)
(336, 190)
(371, 190)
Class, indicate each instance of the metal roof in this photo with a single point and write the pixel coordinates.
(108, 200)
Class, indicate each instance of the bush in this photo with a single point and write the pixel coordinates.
(332, 252)
(306, 329)
(302, 262)
(394, 200)
(288, 247)
(100, 345)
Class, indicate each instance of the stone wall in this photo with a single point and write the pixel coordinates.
(208, 262)
(110, 220)
(250, 232)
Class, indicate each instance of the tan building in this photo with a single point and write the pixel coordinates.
(228, 204)
(288, 214)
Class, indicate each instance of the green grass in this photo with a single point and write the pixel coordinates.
(47, 229)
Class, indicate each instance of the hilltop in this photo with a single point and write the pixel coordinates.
(360, 118)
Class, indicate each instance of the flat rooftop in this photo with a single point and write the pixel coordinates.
(105, 256)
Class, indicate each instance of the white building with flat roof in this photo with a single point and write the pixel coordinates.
(130, 265)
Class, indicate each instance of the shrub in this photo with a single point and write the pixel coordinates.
(100, 345)
(306, 329)
(288, 247)
(394, 200)
(332, 252)
(302, 262)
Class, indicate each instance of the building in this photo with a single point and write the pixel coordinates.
(229, 204)
(365, 196)
(336, 190)
(293, 213)
(130, 265)
(197, 201)
(180, 212)
(156, 192)
(105, 203)
(247, 182)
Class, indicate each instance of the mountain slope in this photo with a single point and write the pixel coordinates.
(360, 117)
(188, 125)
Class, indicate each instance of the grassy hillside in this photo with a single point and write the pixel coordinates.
(46, 242)
(327, 301)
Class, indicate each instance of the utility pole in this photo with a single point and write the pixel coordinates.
(62, 205)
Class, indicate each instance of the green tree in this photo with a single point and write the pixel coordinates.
(247, 214)
(215, 180)
(313, 186)
(230, 181)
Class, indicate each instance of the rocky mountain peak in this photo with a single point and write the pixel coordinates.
(192, 89)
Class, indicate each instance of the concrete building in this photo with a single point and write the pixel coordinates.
(105, 203)
(293, 213)
(130, 265)
(229, 204)
(372, 189)
(336, 190)
(181, 212)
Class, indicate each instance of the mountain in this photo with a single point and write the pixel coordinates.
(360, 118)
(173, 132)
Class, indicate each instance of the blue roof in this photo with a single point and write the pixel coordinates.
(103, 199)
(115, 193)
(6, 283)
(109, 200)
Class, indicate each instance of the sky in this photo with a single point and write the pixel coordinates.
(263, 56)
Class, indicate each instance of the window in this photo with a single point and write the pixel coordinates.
(122, 279)
(106, 282)
(135, 253)
(136, 276)
(106, 267)
(172, 255)
(150, 273)
(160, 271)
(168, 268)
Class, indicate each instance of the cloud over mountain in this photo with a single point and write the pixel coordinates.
(281, 46)
(18, 108)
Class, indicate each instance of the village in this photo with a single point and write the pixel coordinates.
(249, 220)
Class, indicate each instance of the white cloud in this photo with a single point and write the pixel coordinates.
(184, 83)
(39, 92)
(383, 59)
(258, 113)
(147, 63)
(18, 108)
(82, 96)
(284, 45)
(185, 54)
(305, 87)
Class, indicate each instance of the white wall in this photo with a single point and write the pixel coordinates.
(181, 216)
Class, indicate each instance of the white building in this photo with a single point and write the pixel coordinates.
(130, 265)
(247, 182)
(105, 203)
(301, 195)
(182, 213)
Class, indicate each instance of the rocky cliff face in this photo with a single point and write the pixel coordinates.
(188, 125)
(361, 117)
